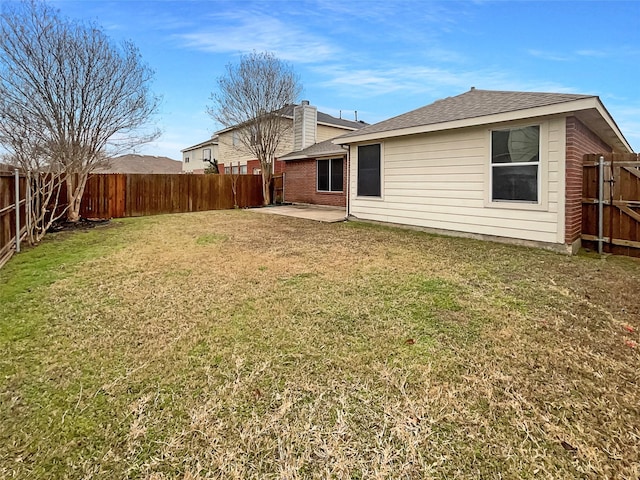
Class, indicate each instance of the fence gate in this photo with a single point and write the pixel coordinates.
(278, 189)
(611, 203)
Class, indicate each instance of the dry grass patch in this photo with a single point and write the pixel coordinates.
(239, 345)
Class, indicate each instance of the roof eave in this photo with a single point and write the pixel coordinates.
(200, 145)
(343, 127)
(332, 154)
(604, 113)
(328, 124)
(547, 110)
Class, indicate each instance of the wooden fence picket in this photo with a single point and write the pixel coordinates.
(621, 206)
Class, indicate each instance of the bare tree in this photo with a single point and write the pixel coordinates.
(251, 97)
(80, 98)
(213, 167)
(44, 180)
(235, 176)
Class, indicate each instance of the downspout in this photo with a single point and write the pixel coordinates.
(348, 189)
(600, 204)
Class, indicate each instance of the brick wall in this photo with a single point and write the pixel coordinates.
(580, 141)
(300, 185)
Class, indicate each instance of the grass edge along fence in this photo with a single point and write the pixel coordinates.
(13, 200)
(128, 195)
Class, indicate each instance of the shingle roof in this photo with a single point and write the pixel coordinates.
(287, 111)
(211, 141)
(142, 164)
(471, 104)
(321, 149)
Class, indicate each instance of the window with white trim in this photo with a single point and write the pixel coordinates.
(329, 175)
(186, 159)
(515, 165)
(206, 154)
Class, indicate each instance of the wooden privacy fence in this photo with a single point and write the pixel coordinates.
(134, 195)
(11, 203)
(611, 203)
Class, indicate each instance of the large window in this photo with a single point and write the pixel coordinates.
(206, 154)
(515, 164)
(369, 170)
(330, 176)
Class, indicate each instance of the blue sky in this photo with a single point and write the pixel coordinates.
(380, 57)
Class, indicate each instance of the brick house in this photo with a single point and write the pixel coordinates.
(487, 164)
(314, 168)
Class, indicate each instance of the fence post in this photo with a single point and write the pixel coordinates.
(27, 207)
(16, 174)
(600, 203)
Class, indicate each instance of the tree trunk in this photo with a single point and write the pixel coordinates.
(266, 183)
(75, 190)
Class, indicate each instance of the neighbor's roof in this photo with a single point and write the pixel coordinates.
(323, 119)
(480, 107)
(326, 119)
(142, 164)
(317, 150)
(211, 141)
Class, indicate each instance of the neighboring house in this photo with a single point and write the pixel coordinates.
(195, 159)
(486, 164)
(314, 168)
(141, 164)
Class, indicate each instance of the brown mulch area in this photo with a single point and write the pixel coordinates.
(82, 224)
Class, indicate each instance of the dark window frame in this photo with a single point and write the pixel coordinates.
(370, 170)
(331, 175)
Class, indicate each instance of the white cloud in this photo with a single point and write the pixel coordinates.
(413, 80)
(552, 56)
(623, 52)
(592, 53)
(256, 31)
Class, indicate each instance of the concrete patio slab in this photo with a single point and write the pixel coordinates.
(320, 213)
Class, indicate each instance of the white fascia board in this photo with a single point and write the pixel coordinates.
(565, 107)
(335, 125)
(224, 130)
(200, 145)
(613, 125)
(336, 154)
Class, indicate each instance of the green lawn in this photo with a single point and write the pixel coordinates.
(240, 345)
